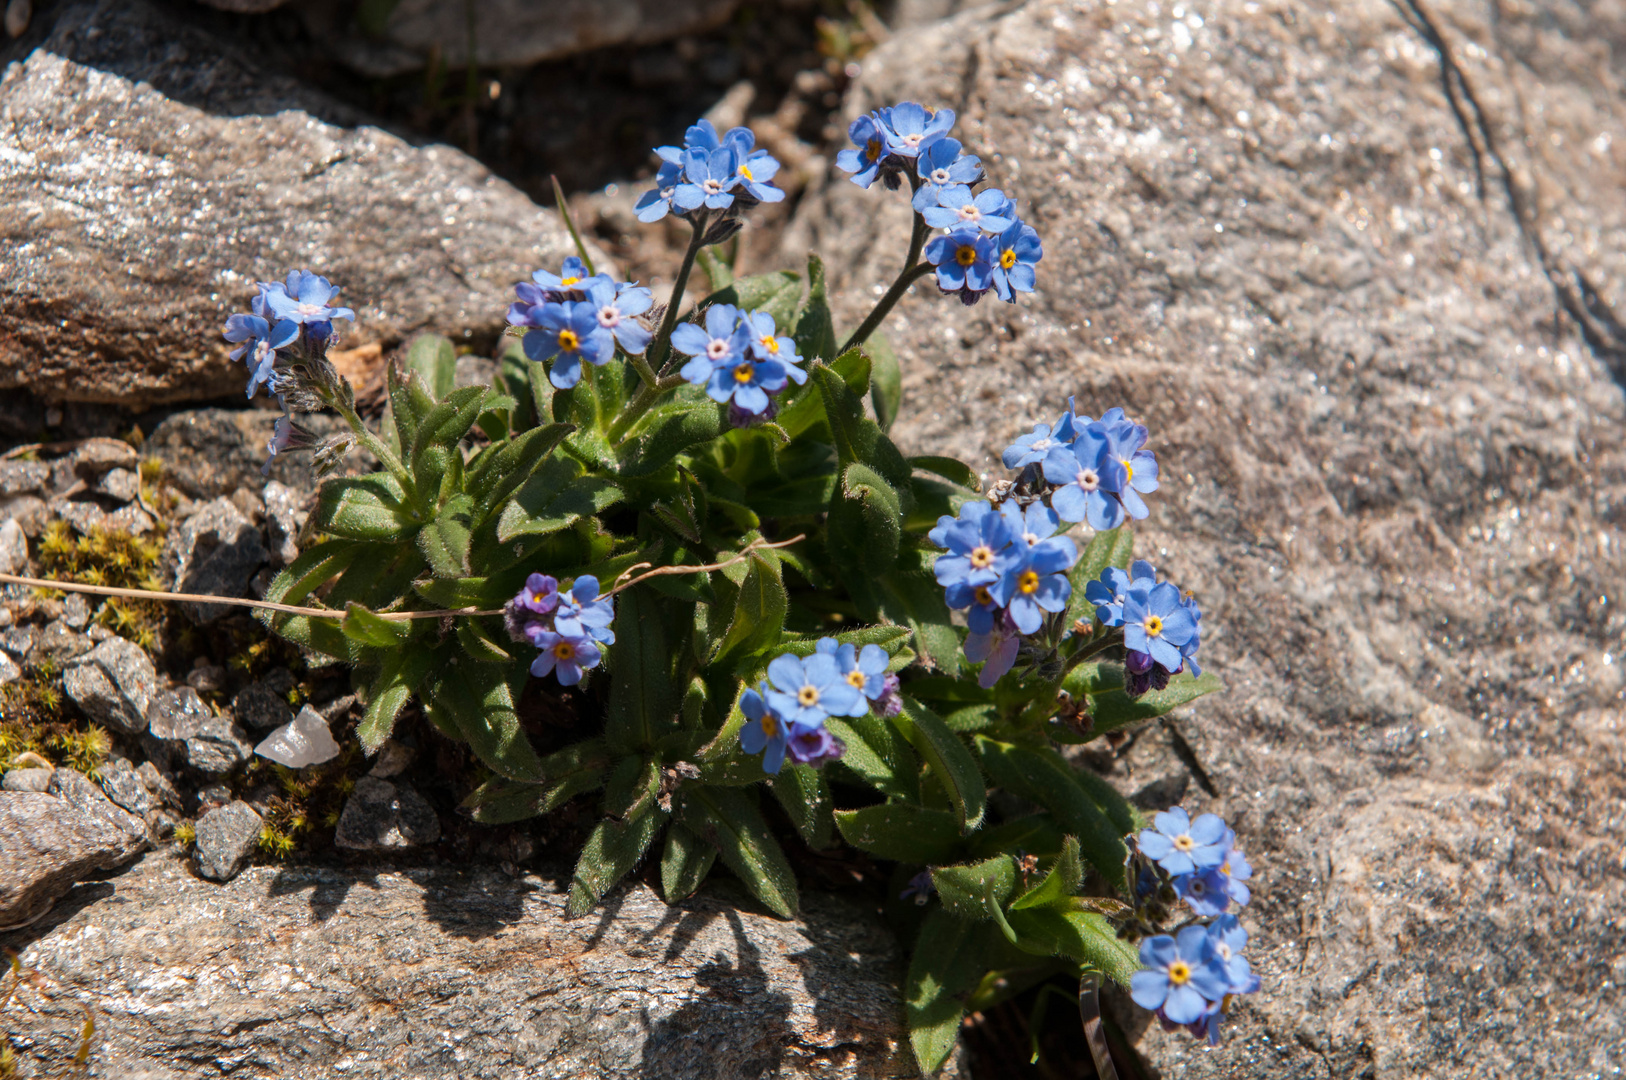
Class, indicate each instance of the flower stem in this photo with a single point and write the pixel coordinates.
(662, 344)
(377, 447)
(913, 271)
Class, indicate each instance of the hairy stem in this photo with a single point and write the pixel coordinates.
(912, 273)
(379, 449)
(662, 343)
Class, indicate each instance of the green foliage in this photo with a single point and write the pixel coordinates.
(615, 479)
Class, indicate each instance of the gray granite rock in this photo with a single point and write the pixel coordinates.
(80, 792)
(23, 477)
(93, 459)
(283, 520)
(120, 485)
(9, 671)
(26, 780)
(113, 684)
(217, 746)
(75, 611)
(226, 838)
(216, 551)
(121, 784)
(59, 643)
(17, 642)
(215, 175)
(1387, 409)
(29, 511)
(380, 815)
(13, 548)
(48, 843)
(173, 717)
(159, 784)
(482, 973)
(259, 706)
(508, 32)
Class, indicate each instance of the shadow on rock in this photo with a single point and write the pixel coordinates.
(329, 887)
(736, 1028)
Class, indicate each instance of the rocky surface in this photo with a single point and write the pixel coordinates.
(113, 684)
(226, 837)
(149, 175)
(51, 839)
(380, 815)
(441, 972)
(1353, 296)
(506, 32)
(216, 550)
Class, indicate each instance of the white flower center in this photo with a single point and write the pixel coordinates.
(262, 352)
(716, 348)
(609, 316)
(913, 140)
(713, 187)
(969, 212)
(940, 176)
(1088, 479)
(1031, 538)
(310, 311)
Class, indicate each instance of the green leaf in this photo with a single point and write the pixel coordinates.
(445, 540)
(945, 965)
(815, 331)
(569, 772)
(866, 523)
(556, 497)
(667, 432)
(759, 609)
(886, 380)
(363, 626)
(643, 700)
(911, 596)
(403, 671)
(450, 420)
(632, 787)
(1044, 777)
(778, 293)
(901, 831)
(475, 592)
(475, 701)
(479, 645)
(315, 567)
(499, 469)
(951, 469)
(685, 863)
(730, 821)
(1089, 938)
(969, 889)
(1035, 834)
(948, 759)
(612, 850)
(877, 753)
(432, 358)
(410, 402)
(805, 795)
(1115, 547)
(1060, 885)
(363, 508)
(1113, 709)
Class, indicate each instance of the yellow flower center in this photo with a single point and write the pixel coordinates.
(872, 150)
(1184, 842)
(856, 678)
(569, 280)
(1129, 470)
(983, 595)
(1179, 973)
(807, 696)
(743, 373)
(1028, 583)
(1007, 258)
(568, 341)
(564, 650)
(1225, 868)
(981, 556)
(770, 343)
(1154, 626)
(965, 255)
(770, 726)
(745, 171)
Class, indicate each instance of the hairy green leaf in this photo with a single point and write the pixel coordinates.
(612, 850)
(886, 380)
(685, 863)
(901, 831)
(403, 671)
(968, 890)
(804, 794)
(948, 759)
(363, 508)
(643, 698)
(729, 819)
(1060, 884)
(815, 331)
(1045, 777)
(476, 701)
(945, 965)
(432, 358)
(555, 497)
